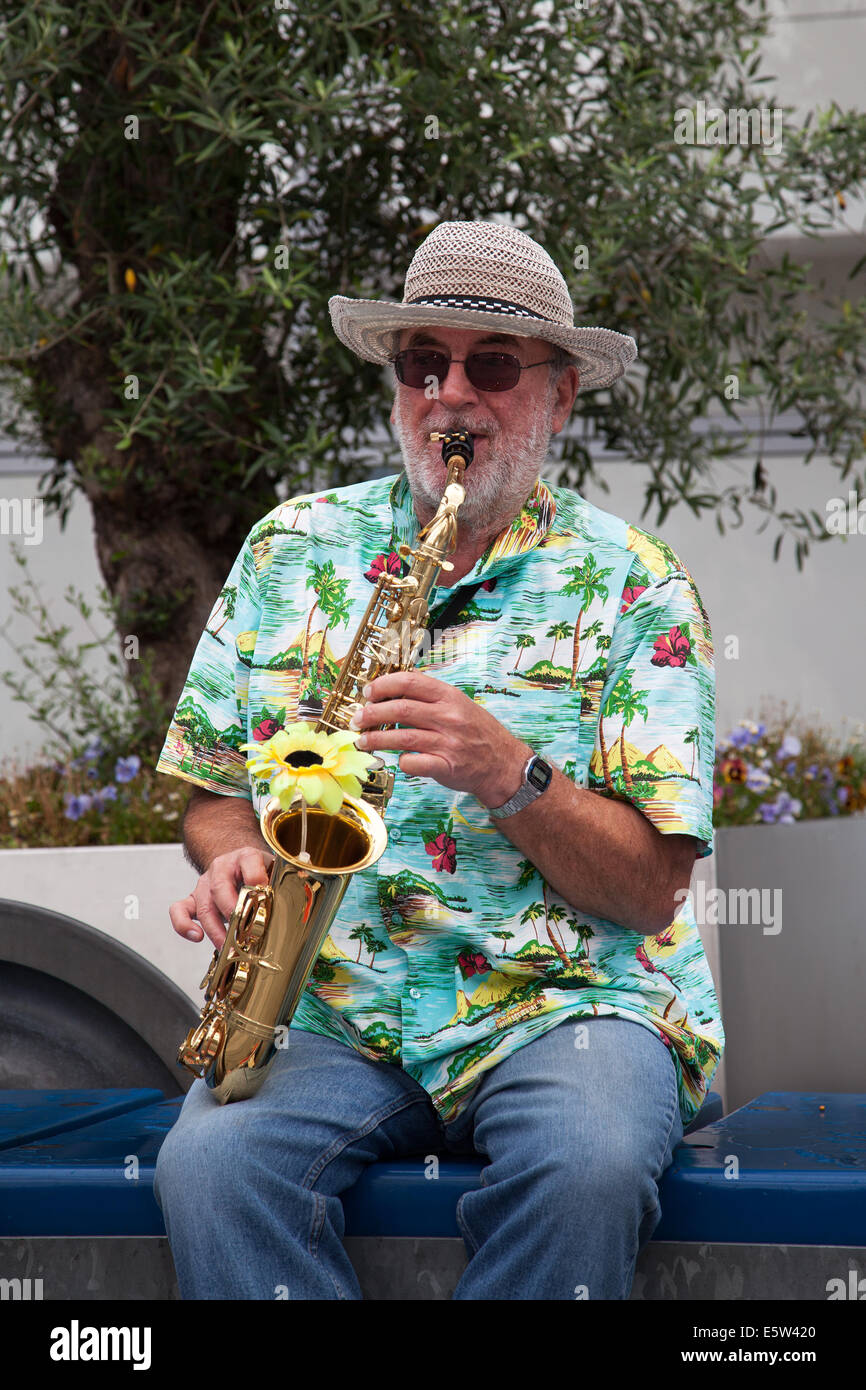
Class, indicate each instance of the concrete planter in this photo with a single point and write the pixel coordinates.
(792, 956)
(122, 890)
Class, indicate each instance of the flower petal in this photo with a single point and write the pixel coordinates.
(331, 798)
(311, 787)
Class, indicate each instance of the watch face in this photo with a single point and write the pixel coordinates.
(539, 774)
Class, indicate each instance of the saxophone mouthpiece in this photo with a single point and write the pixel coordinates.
(456, 442)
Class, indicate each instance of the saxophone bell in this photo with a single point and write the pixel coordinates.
(273, 939)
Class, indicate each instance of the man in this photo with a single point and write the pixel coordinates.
(519, 972)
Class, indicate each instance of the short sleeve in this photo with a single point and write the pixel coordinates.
(210, 722)
(655, 741)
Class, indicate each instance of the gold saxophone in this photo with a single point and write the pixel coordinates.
(276, 932)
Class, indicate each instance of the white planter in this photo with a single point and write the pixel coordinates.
(122, 890)
(794, 988)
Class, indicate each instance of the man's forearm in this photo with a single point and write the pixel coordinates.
(598, 854)
(216, 824)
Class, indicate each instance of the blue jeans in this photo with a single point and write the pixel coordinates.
(577, 1137)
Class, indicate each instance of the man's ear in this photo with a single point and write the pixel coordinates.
(566, 394)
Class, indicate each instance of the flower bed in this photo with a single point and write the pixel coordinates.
(96, 798)
(783, 769)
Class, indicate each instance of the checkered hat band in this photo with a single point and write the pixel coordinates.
(474, 301)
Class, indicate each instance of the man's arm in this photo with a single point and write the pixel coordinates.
(222, 841)
(603, 856)
(214, 824)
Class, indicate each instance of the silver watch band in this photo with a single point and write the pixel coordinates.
(524, 796)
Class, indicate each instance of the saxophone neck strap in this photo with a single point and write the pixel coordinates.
(458, 601)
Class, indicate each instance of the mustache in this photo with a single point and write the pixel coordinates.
(486, 427)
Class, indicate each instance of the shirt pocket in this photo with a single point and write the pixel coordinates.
(555, 724)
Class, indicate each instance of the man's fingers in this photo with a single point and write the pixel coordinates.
(215, 896)
(414, 684)
(212, 921)
(255, 866)
(229, 877)
(181, 914)
(402, 711)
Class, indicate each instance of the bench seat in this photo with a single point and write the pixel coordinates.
(785, 1169)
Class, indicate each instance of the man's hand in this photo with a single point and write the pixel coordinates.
(445, 736)
(213, 899)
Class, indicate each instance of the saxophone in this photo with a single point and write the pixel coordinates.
(276, 932)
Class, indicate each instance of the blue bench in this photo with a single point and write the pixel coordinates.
(82, 1163)
(785, 1170)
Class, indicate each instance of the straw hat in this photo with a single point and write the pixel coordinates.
(483, 275)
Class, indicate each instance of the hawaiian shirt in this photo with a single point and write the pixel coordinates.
(588, 640)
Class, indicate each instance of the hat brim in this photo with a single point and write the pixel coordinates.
(370, 328)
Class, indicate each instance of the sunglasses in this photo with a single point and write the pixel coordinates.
(486, 371)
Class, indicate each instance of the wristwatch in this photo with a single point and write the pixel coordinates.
(537, 777)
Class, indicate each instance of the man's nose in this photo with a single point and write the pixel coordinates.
(457, 390)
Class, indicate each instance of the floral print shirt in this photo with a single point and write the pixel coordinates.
(588, 640)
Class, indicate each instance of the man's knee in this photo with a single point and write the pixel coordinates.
(202, 1150)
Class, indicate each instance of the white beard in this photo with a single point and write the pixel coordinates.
(496, 487)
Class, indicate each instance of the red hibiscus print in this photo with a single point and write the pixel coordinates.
(671, 649)
(629, 595)
(266, 729)
(473, 963)
(382, 563)
(444, 851)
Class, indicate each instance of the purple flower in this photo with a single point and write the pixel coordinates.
(812, 770)
(790, 769)
(757, 780)
(127, 768)
(789, 747)
(788, 807)
(842, 794)
(742, 737)
(76, 806)
(782, 811)
(93, 750)
(104, 794)
(93, 772)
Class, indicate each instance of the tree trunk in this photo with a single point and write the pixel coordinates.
(165, 536)
(575, 650)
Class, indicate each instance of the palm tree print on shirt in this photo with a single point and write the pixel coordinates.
(330, 598)
(523, 641)
(586, 583)
(228, 596)
(693, 737)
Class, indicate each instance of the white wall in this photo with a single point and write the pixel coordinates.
(62, 558)
(801, 634)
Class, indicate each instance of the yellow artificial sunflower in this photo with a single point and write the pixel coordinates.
(323, 767)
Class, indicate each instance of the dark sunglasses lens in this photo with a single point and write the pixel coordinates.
(493, 371)
(415, 367)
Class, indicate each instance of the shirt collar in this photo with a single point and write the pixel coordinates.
(523, 534)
